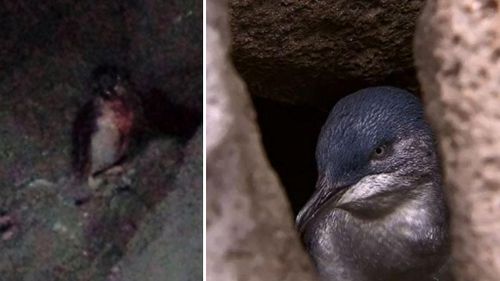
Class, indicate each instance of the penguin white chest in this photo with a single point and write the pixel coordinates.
(105, 144)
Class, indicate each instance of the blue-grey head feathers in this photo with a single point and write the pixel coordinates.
(363, 128)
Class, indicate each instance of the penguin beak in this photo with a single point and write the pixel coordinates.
(322, 197)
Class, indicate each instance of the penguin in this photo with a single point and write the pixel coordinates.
(104, 127)
(379, 211)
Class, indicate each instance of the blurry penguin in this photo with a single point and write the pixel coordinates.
(104, 127)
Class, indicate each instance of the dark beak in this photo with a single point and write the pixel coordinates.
(324, 195)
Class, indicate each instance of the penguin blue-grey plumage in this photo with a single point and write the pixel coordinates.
(378, 212)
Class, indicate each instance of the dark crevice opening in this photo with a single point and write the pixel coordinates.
(289, 135)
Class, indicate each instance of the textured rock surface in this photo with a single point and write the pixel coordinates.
(47, 52)
(313, 52)
(175, 228)
(457, 52)
(250, 233)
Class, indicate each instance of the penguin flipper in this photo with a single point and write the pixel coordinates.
(83, 128)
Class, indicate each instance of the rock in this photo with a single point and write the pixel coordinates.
(169, 242)
(48, 241)
(457, 50)
(47, 237)
(250, 230)
(314, 52)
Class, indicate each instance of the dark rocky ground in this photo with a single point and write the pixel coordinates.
(145, 225)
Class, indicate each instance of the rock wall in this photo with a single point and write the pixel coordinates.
(457, 51)
(314, 52)
(250, 230)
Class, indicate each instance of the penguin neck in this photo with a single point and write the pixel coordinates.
(365, 246)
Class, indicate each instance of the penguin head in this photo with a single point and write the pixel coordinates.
(110, 82)
(376, 130)
(374, 144)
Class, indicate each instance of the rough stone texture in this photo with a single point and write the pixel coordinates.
(250, 232)
(313, 52)
(175, 228)
(457, 53)
(47, 51)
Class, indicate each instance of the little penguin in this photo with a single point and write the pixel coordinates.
(378, 212)
(105, 125)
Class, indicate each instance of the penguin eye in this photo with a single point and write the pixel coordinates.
(380, 151)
